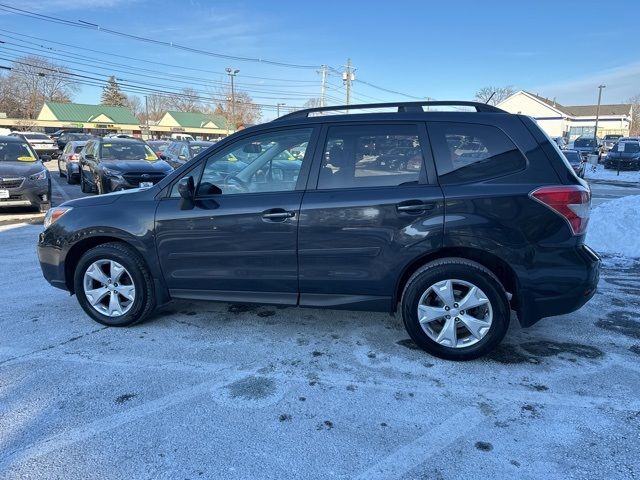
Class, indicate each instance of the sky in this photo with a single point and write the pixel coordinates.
(443, 50)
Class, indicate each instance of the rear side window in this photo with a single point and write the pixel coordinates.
(468, 152)
(371, 156)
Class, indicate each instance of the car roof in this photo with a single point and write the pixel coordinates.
(120, 140)
(7, 138)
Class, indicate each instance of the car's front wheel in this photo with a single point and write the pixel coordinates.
(455, 309)
(113, 285)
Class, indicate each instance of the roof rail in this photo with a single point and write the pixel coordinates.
(402, 107)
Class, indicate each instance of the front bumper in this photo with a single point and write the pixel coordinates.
(50, 256)
(29, 194)
(581, 276)
(129, 181)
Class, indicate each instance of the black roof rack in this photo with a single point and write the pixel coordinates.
(402, 107)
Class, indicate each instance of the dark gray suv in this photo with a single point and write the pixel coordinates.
(485, 217)
(24, 180)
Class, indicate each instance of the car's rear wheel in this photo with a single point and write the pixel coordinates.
(113, 285)
(455, 309)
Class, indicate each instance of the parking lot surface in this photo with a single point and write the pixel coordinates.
(205, 390)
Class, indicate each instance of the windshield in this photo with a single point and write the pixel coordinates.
(572, 156)
(35, 136)
(585, 142)
(127, 151)
(16, 152)
(612, 137)
(197, 148)
(628, 147)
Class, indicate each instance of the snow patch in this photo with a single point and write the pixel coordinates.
(614, 227)
(603, 174)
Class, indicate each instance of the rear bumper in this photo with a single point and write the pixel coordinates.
(533, 306)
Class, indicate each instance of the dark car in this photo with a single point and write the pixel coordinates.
(24, 180)
(493, 221)
(66, 137)
(69, 160)
(112, 164)
(179, 153)
(576, 161)
(625, 155)
(158, 146)
(398, 158)
(587, 146)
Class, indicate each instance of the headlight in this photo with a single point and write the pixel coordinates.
(111, 173)
(53, 214)
(39, 176)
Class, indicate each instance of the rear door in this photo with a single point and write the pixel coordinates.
(373, 207)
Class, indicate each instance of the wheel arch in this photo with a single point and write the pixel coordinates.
(493, 263)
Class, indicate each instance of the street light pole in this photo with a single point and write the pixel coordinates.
(595, 133)
(278, 105)
(232, 72)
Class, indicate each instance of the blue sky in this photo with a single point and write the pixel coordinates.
(445, 50)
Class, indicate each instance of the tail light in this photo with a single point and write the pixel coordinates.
(73, 157)
(572, 202)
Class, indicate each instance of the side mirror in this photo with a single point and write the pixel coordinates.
(45, 158)
(187, 191)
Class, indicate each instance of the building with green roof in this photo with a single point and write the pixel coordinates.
(194, 123)
(88, 117)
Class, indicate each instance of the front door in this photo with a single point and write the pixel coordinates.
(238, 242)
(377, 207)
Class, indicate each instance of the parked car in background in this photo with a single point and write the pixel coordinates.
(24, 180)
(625, 155)
(457, 245)
(69, 160)
(180, 152)
(41, 143)
(158, 146)
(587, 146)
(577, 162)
(71, 136)
(609, 141)
(111, 164)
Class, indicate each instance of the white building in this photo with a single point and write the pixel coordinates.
(570, 122)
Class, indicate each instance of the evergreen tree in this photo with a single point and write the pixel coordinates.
(112, 95)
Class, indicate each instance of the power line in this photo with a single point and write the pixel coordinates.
(99, 28)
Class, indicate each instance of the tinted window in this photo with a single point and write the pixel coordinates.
(584, 142)
(627, 147)
(36, 136)
(265, 172)
(468, 152)
(126, 151)
(16, 152)
(370, 156)
(573, 157)
(78, 148)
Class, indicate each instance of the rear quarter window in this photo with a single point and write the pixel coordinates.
(467, 152)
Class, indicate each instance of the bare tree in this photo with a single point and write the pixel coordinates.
(157, 106)
(494, 95)
(312, 103)
(188, 100)
(136, 106)
(246, 111)
(32, 81)
(635, 115)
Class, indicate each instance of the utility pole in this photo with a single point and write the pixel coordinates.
(232, 72)
(146, 109)
(323, 84)
(595, 132)
(278, 105)
(348, 76)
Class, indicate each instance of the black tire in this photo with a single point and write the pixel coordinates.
(145, 299)
(461, 269)
(71, 179)
(60, 170)
(99, 186)
(83, 184)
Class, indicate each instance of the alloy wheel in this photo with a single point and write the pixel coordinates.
(109, 288)
(455, 313)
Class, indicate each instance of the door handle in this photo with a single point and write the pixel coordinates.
(414, 206)
(277, 214)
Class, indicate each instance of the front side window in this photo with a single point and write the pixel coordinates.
(259, 163)
(371, 156)
(468, 152)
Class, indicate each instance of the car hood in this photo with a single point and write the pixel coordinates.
(19, 169)
(134, 166)
(108, 198)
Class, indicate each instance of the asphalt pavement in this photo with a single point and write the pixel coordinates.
(206, 390)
